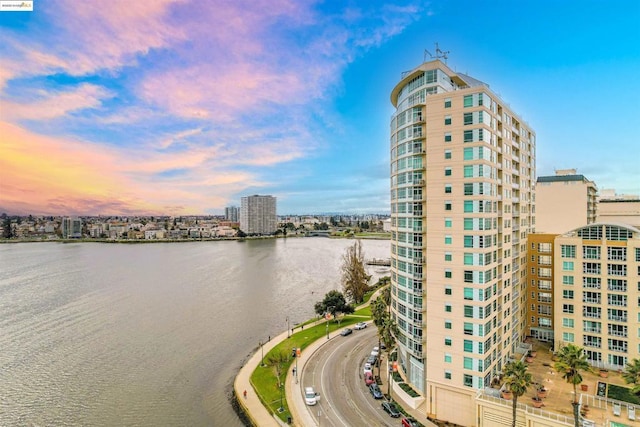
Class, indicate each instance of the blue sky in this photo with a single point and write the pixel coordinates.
(179, 107)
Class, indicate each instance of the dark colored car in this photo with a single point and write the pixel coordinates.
(409, 422)
(375, 391)
(391, 409)
(372, 360)
(346, 332)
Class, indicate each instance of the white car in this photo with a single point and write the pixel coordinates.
(360, 325)
(367, 368)
(375, 351)
(310, 396)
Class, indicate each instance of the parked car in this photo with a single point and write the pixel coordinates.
(368, 378)
(367, 368)
(372, 360)
(360, 325)
(375, 391)
(375, 351)
(310, 396)
(346, 332)
(391, 409)
(409, 422)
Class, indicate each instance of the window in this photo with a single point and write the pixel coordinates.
(448, 256)
(468, 292)
(447, 222)
(468, 380)
(447, 324)
(447, 291)
(468, 118)
(447, 171)
(447, 342)
(468, 101)
(447, 205)
(567, 336)
(447, 308)
(616, 254)
(447, 137)
(467, 153)
(447, 240)
(447, 103)
(567, 265)
(447, 120)
(567, 308)
(468, 363)
(617, 269)
(468, 346)
(567, 294)
(568, 251)
(447, 358)
(567, 322)
(447, 274)
(468, 328)
(447, 375)
(591, 252)
(468, 206)
(567, 280)
(468, 136)
(447, 188)
(468, 311)
(447, 154)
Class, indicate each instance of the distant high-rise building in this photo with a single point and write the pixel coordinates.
(564, 201)
(258, 215)
(232, 213)
(71, 228)
(462, 182)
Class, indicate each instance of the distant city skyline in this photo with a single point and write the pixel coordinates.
(182, 108)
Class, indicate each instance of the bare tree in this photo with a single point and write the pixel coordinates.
(355, 280)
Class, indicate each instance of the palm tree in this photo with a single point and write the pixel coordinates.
(571, 363)
(517, 380)
(631, 375)
(388, 332)
(378, 310)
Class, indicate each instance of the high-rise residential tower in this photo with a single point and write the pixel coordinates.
(462, 178)
(232, 213)
(258, 215)
(71, 228)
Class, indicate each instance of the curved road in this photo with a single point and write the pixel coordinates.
(335, 371)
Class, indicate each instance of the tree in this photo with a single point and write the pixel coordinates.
(571, 363)
(631, 375)
(378, 310)
(6, 228)
(277, 362)
(517, 380)
(333, 302)
(388, 332)
(355, 280)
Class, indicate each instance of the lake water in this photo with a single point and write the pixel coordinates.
(148, 334)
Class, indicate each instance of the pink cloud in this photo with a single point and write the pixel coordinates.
(56, 103)
(39, 174)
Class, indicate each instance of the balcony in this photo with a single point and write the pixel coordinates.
(618, 318)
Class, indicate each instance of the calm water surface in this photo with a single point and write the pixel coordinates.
(148, 334)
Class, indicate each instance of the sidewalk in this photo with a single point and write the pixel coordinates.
(253, 408)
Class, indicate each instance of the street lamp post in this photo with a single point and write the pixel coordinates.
(287, 326)
(262, 354)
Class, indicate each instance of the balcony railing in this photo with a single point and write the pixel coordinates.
(618, 318)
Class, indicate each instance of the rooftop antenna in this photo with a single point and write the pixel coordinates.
(440, 54)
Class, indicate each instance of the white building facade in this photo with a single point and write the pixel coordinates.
(258, 215)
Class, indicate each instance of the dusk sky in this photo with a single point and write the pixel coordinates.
(182, 107)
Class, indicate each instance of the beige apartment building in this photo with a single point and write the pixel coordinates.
(462, 180)
(597, 306)
(620, 208)
(564, 201)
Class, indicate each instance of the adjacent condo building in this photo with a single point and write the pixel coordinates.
(462, 178)
(258, 215)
